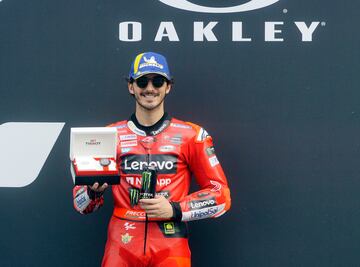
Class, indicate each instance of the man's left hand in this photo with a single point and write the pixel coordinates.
(158, 207)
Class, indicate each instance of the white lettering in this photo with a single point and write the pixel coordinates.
(167, 29)
(200, 31)
(237, 32)
(270, 31)
(124, 31)
(203, 33)
(306, 32)
(136, 165)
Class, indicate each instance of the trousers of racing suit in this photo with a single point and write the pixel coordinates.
(179, 150)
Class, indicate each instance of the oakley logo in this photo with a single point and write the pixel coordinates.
(251, 5)
(24, 150)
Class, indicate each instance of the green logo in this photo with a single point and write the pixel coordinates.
(169, 228)
(146, 181)
(134, 194)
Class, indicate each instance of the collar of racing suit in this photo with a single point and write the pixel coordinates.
(155, 129)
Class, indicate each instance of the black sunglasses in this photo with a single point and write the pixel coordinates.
(157, 81)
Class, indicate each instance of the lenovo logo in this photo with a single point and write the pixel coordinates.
(25, 147)
(136, 164)
(248, 6)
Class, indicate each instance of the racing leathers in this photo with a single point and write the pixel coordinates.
(177, 149)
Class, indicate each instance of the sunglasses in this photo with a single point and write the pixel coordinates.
(157, 81)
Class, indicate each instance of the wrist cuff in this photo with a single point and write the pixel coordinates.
(177, 213)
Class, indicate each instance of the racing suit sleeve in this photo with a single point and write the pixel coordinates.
(87, 200)
(213, 199)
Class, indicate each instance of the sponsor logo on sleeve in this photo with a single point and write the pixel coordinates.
(203, 213)
(82, 199)
(202, 135)
(210, 151)
(213, 161)
(217, 186)
(200, 204)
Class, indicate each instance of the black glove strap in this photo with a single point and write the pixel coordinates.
(177, 213)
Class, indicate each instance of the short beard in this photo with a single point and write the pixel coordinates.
(149, 108)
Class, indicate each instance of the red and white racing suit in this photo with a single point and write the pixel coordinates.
(178, 149)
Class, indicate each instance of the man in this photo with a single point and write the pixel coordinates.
(153, 232)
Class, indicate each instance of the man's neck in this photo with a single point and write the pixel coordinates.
(149, 117)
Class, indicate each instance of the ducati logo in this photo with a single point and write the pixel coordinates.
(250, 5)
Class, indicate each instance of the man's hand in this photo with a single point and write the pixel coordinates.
(95, 191)
(158, 207)
(98, 189)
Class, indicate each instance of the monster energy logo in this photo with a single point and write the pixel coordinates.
(134, 196)
(146, 181)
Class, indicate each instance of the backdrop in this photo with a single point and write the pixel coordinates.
(277, 87)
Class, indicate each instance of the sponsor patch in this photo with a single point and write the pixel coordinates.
(217, 186)
(136, 164)
(178, 125)
(134, 129)
(129, 143)
(169, 228)
(203, 194)
(202, 135)
(210, 151)
(82, 199)
(122, 126)
(125, 150)
(135, 214)
(149, 140)
(129, 226)
(167, 148)
(200, 204)
(176, 139)
(136, 181)
(134, 195)
(213, 161)
(127, 137)
(204, 213)
(163, 126)
(126, 238)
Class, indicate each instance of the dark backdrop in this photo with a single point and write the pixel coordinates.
(284, 117)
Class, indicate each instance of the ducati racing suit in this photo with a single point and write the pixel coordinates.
(178, 149)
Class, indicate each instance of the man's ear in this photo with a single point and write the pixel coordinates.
(169, 86)
(131, 88)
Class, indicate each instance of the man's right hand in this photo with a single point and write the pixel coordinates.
(99, 189)
(95, 191)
